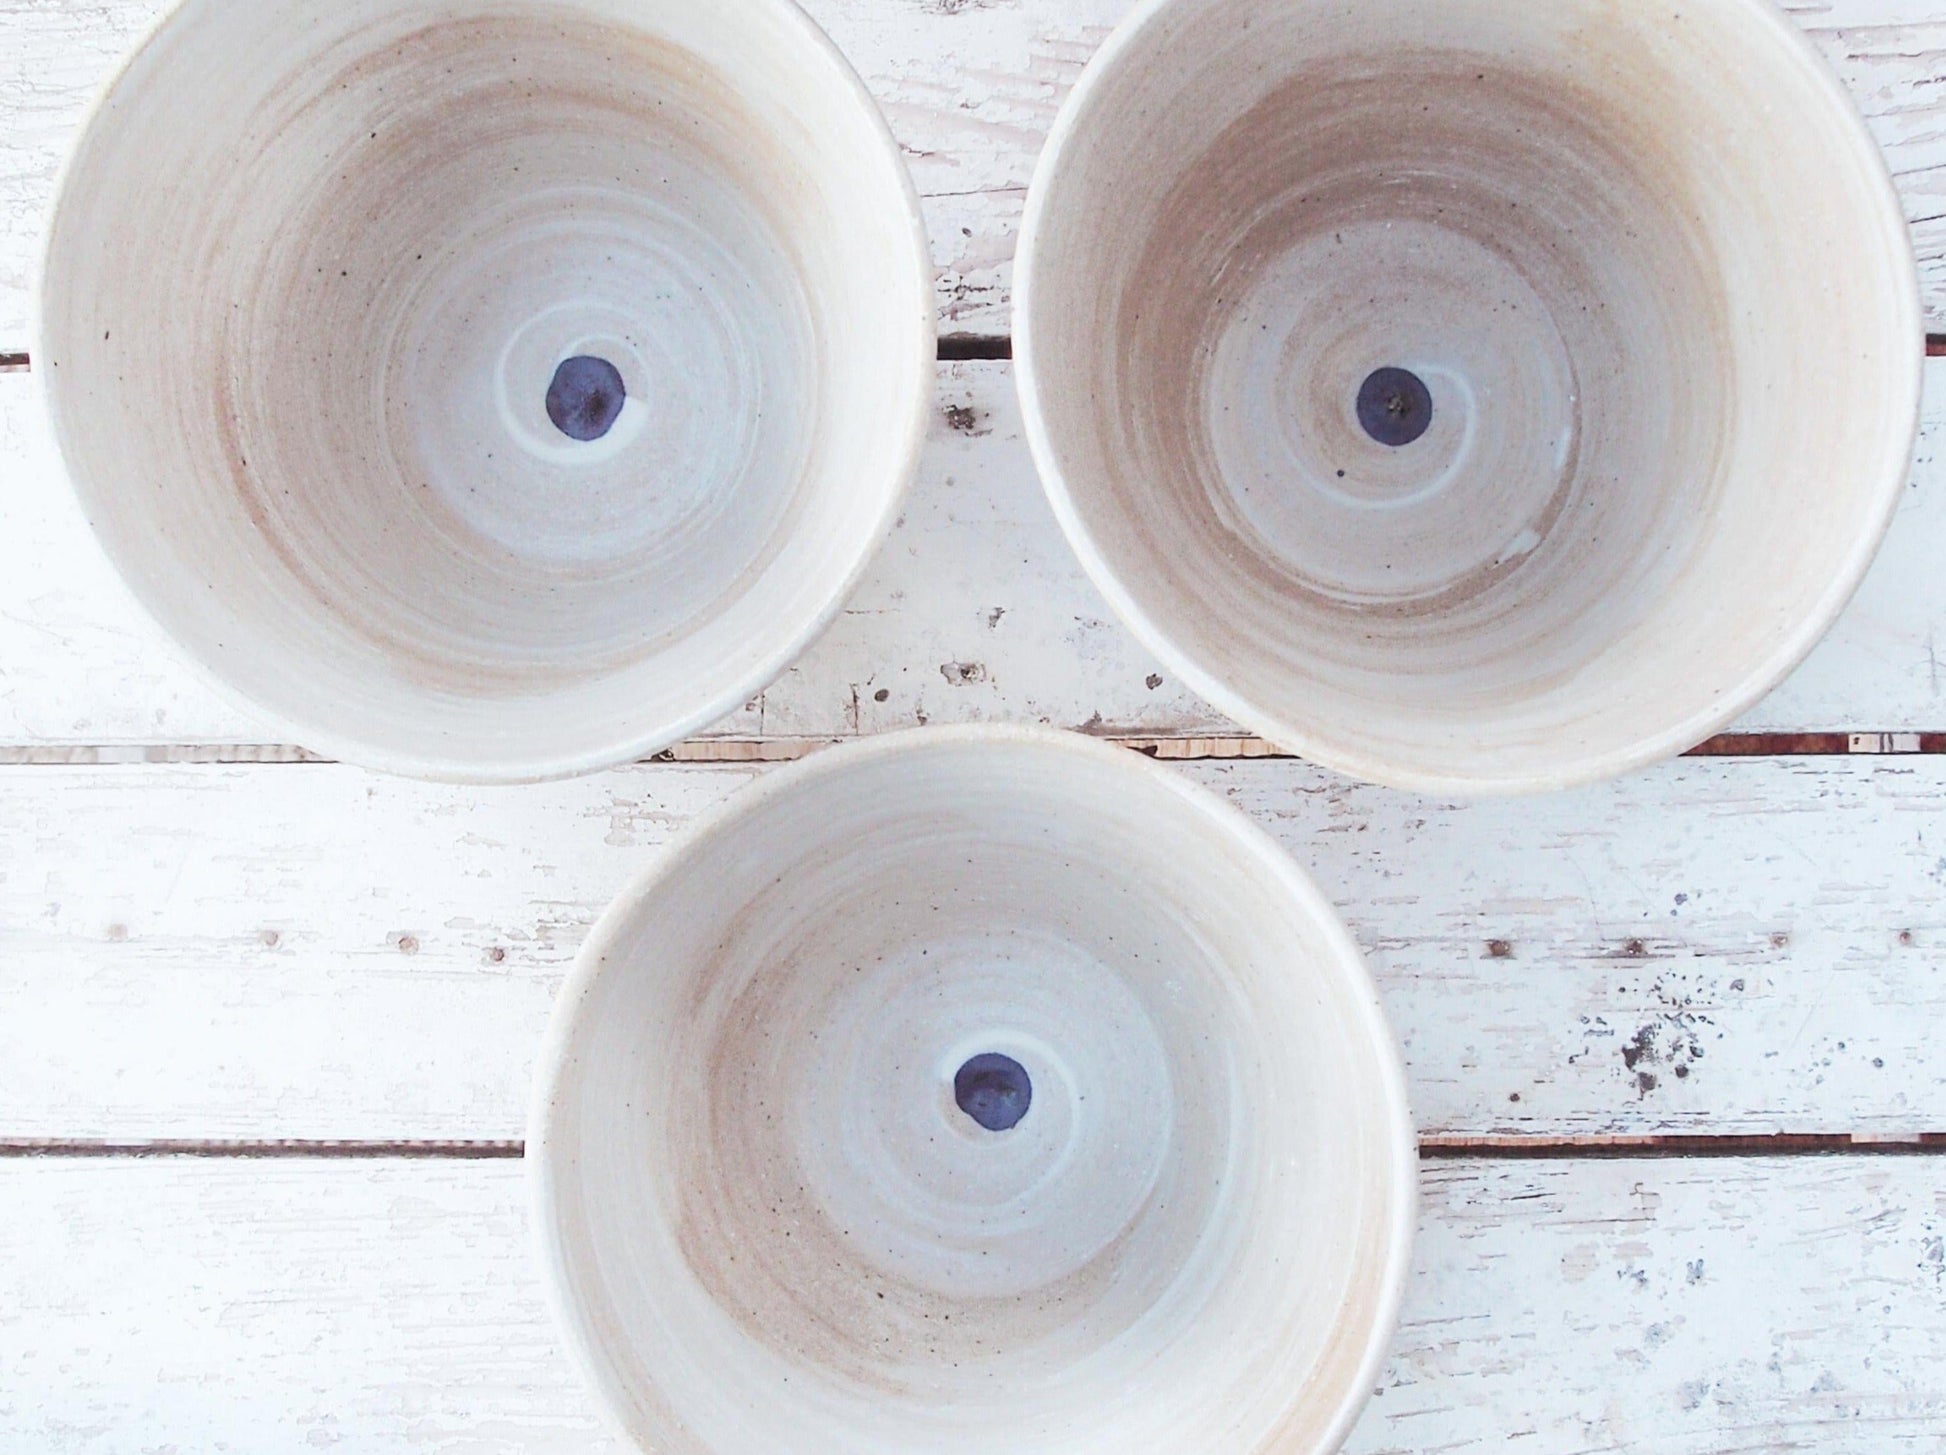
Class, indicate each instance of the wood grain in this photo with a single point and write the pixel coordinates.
(291, 951)
(975, 610)
(970, 88)
(1755, 1305)
(1720, 946)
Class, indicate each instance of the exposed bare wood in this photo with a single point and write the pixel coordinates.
(1431, 1149)
(83, 1149)
(1695, 1148)
(785, 750)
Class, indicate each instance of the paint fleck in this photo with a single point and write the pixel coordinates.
(962, 419)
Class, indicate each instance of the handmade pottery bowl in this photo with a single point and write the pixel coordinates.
(488, 389)
(1475, 397)
(974, 1089)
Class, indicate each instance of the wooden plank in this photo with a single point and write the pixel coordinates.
(970, 88)
(1671, 1308)
(976, 610)
(77, 659)
(1764, 1305)
(1724, 947)
(294, 1307)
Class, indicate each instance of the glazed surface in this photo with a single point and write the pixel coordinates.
(767, 1214)
(1644, 488)
(317, 277)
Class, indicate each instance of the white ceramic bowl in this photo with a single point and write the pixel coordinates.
(780, 1201)
(1484, 396)
(488, 389)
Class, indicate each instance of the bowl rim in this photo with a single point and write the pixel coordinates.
(1348, 965)
(433, 767)
(1899, 275)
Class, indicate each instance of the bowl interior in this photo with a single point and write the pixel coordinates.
(1489, 394)
(968, 1086)
(488, 386)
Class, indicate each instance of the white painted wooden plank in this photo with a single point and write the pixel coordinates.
(970, 88)
(77, 659)
(1671, 1309)
(307, 952)
(1661, 1308)
(256, 1308)
(975, 611)
(54, 54)
(1879, 670)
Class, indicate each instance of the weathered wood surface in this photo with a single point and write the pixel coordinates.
(264, 952)
(970, 88)
(975, 610)
(1562, 1307)
(1722, 948)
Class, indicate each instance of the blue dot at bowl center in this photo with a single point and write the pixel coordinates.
(994, 1090)
(1394, 406)
(586, 397)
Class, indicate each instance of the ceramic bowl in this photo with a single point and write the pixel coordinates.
(1471, 397)
(970, 1090)
(488, 389)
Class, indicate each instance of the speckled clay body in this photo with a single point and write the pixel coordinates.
(1484, 396)
(488, 390)
(789, 1197)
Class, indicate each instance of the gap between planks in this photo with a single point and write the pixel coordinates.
(954, 348)
(786, 750)
(1431, 1149)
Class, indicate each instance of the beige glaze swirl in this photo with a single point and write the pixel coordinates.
(770, 1224)
(1652, 276)
(314, 274)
